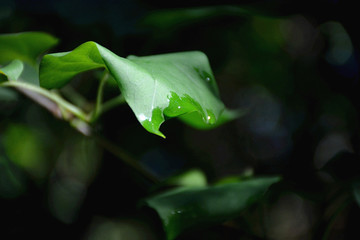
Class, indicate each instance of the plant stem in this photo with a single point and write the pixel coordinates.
(74, 97)
(50, 95)
(99, 97)
(101, 107)
(81, 125)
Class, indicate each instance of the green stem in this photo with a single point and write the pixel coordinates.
(101, 107)
(74, 97)
(46, 93)
(112, 103)
(94, 115)
(100, 94)
(81, 123)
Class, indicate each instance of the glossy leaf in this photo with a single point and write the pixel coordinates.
(26, 46)
(156, 87)
(196, 121)
(186, 208)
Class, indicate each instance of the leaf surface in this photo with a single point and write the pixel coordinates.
(12, 71)
(25, 46)
(186, 208)
(155, 87)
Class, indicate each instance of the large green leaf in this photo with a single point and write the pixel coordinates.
(156, 87)
(25, 46)
(186, 208)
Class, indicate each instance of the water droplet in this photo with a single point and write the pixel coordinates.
(176, 212)
(179, 107)
(208, 79)
(208, 117)
(142, 117)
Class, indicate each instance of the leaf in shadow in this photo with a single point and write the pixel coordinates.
(186, 208)
(25, 46)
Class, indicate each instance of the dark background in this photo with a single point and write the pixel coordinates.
(292, 66)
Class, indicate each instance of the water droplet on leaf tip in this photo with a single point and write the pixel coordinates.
(142, 117)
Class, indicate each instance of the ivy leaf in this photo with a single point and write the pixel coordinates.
(12, 71)
(25, 46)
(187, 208)
(155, 87)
(19, 71)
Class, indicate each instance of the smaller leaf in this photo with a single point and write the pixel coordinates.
(25, 46)
(57, 69)
(12, 71)
(185, 208)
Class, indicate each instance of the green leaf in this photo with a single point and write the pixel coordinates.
(196, 121)
(26, 46)
(12, 71)
(156, 87)
(190, 178)
(186, 208)
(20, 71)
